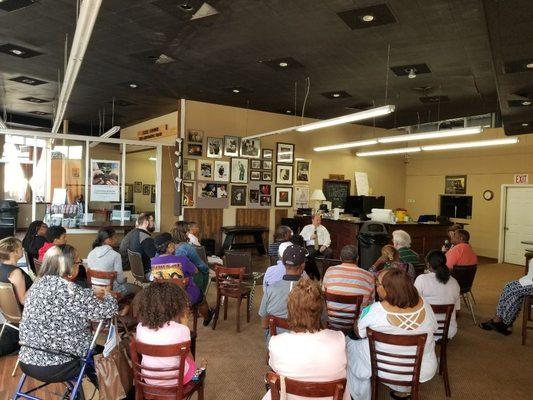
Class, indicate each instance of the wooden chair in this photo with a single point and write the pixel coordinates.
(239, 259)
(419, 269)
(137, 268)
(276, 322)
(229, 285)
(526, 311)
(324, 263)
(443, 314)
(342, 316)
(165, 390)
(11, 310)
(465, 275)
(101, 279)
(380, 364)
(334, 389)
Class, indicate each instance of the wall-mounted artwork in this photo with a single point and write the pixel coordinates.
(268, 154)
(250, 148)
(256, 164)
(455, 184)
(152, 194)
(267, 164)
(221, 171)
(189, 169)
(205, 170)
(146, 190)
(255, 175)
(266, 176)
(137, 187)
(128, 193)
(284, 153)
(194, 150)
(301, 196)
(283, 196)
(238, 195)
(254, 196)
(214, 147)
(231, 146)
(239, 170)
(283, 174)
(303, 171)
(195, 136)
(188, 194)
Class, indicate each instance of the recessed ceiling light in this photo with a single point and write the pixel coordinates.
(368, 18)
(288, 112)
(529, 65)
(185, 7)
(27, 80)
(412, 73)
(525, 124)
(336, 95)
(526, 103)
(236, 91)
(32, 99)
(17, 52)
(283, 64)
(133, 85)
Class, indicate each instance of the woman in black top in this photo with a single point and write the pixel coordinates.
(10, 253)
(34, 240)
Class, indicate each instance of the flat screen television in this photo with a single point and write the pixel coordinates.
(456, 206)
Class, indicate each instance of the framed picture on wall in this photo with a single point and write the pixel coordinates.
(146, 190)
(188, 194)
(137, 187)
(250, 148)
(222, 191)
(128, 193)
(283, 174)
(238, 195)
(301, 196)
(268, 154)
(303, 171)
(205, 169)
(189, 169)
(455, 184)
(284, 153)
(152, 194)
(231, 146)
(239, 170)
(265, 201)
(254, 196)
(265, 190)
(221, 171)
(194, 150)
(283, 197)
(207, 190)
(267, 164)
(256, 164)
(195, 136)
(214, 147)
(266, 176)
(255, 175)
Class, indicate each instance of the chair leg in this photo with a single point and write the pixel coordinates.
(16, 366)
(526, 309)
(226, 308)
(470, 306)
(195, 318)
(201, 392)
(4, 328)
(239, 301)
(217, 311)
(472, 296)
(443, 370)
(248, 308)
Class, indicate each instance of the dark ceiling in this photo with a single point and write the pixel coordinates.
(464, 44)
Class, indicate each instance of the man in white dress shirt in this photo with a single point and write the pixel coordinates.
(317, 239)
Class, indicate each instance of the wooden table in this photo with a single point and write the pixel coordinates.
(234, 231)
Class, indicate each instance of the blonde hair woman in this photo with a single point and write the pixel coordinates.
(10, 252)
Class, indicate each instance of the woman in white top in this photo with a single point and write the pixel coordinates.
(308, 352)
(401, 311)
(438, 286)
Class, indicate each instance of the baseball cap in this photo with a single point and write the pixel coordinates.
(293, 255)
(282, 248)
(162, 239)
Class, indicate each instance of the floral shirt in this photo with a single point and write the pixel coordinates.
(56, 317)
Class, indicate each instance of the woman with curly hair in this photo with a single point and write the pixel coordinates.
(163, 308)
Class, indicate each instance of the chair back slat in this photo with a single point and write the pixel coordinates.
(136, 265)
(229, 280)
(443, 315)
(334, 389)
(465, 275)
(235, 259)
(343, 318)
(276, 322)
(95, 278)
(9, 305)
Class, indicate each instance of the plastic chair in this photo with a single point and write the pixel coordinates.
(381, 361)
(74, 386)
(164, 390)
(331, 389)
(342, 316)
(137, 268)
(230, 285)
(441, 339)
(526, 311)
(465, 275)
(10, 309)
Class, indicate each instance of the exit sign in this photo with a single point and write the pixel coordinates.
(521, 178)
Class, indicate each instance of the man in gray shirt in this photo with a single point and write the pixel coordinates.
(274, 300)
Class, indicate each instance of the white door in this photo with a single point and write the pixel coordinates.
(518, 224)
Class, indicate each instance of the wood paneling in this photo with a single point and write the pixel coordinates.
(209, 220)
(280, 213)
(253, 217)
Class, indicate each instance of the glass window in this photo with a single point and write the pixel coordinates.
(140, 179)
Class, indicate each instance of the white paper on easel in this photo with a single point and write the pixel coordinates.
(59, 197)
(361, 183)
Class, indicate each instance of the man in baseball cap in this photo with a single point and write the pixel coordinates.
(274, 300)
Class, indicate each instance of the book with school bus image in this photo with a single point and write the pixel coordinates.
(168, 271)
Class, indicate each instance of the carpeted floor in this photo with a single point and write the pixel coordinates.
(482, 365)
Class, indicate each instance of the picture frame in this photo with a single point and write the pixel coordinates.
(255, 175)
(215, 147)
(188, 194)
(239, 170)
(152, 193)
(231, 146)
(253, 196)
(221, 171)
(205, 170)
(266, 176)
(194, 150)
(283, 196)
(207, 190)
(284, 174)
(256, 164)
(189, 169)
(284, 153)
(265, 201)
(222, 191)
(146, 190)
(267, 164)
(301, 197)
(238, 195)
(268, 154)
(250, 148)
(195, 136)
(128, 193)
(137, 187)
(303, 171)
(265, 190)
(455, 184)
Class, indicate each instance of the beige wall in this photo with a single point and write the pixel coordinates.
(486, 169)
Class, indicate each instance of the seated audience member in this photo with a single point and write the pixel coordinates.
(192, 233)
(275, 273)
(461, 253)
(510, 302)
(103, 257)
(140, 241)
(448, 243)
(307, 352)
(10, 253)
(401, 311)
(55, 236)
(72, 254)
(317, 238)
(390, 258)
(438, 286)
(283, 234)
(274, 301)
(57, 317)
(401, 241)
(34, 239)
(163, 310)
(166, 265)
(348, 279)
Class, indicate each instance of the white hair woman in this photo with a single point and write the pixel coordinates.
(402, 242)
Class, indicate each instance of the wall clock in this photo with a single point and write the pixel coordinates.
(488, 195)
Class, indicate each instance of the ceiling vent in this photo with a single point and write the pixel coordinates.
(367, 17)
(13, 5)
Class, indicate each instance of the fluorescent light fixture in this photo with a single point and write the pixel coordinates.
(465, 145)
(152, 159)
(432, 135)
(389, 152)
(358, 116)
(359, 143)
(107, 134)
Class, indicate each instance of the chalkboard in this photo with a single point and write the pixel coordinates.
(336, 191)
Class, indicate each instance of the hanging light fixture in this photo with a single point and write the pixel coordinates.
(432, 135)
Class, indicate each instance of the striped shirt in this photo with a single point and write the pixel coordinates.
(409, 256)
(348, 279)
